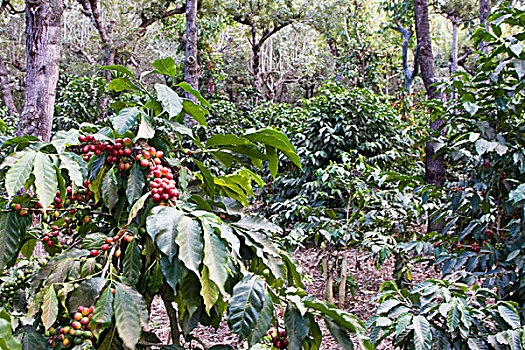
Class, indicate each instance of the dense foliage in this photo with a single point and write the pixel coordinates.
(123, 221)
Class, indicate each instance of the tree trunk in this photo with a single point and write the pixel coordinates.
(434, 165)
(484, 12)
(43, 25)
(191, 74)
(7, 97)
(256, 67)
(454, 58)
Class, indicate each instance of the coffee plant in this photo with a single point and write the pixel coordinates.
(131, 211)
(438, 314)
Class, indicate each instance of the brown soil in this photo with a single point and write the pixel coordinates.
(361, 267)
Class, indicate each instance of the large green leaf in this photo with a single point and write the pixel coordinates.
(454, 314)
(297, 327)
(245, 305)
(132, 262)
(121, 84)
(10, 234)
(263, 322)
(7, 340)
(109, 189)
(172, 271)
(189, 240)
(170, 101)
(257, 222)
(188, 88)
(165, 66)
(509, 315)
(127, 316)
(64, 138)
(215, 257)
(31, 339)
(342, 318)
(422, 333)
(146, 130)
(45, 179)
(273, 160)
(138, 206)
(18, 174)
(86, 293)
(162, 227)
(136, 184)
(209, 290)
(103, 312)
(74, 166)
(195, 111)
(49, 307)
(119, 68)
(125, 119)
(277, 139)
(340, 334)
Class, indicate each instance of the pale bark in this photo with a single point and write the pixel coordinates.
(454, 55)
(484, 13)
(7, 96)
(434, 165)
(410, 74)
(43, 31)
(191, 37)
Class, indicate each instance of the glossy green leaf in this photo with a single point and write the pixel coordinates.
(127, 316)
(45, 179)
(297, 327)
(245, 305)
(170, 101)
(10, 234)
(49, 307)
(135, 184)
(74, 166)
(165, 66)
(162, 226)
(125, 119)
(195, 111)
(119, 68)
(109, 189)
(188, 88)
(103, 312)
(209, 290)
(263, 322)
(132, 263)
(189, 240)
(18, 174)
(422, 333)
(215, 257)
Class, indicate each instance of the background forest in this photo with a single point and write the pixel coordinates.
(185, 161)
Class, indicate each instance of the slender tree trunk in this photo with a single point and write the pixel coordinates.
(191, 74)
(454, 58)
(484, 12)
(434, 165)
(256, 67)
(7, 97)
(43, 26)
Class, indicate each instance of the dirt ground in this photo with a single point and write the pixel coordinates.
(367, 278)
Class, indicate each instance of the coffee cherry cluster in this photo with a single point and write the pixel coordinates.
(161, 178)
(17, 282)
(77, 333)
(278, 339)
(120, 152)
(109, 242)
(24, 211)
(78, 197)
